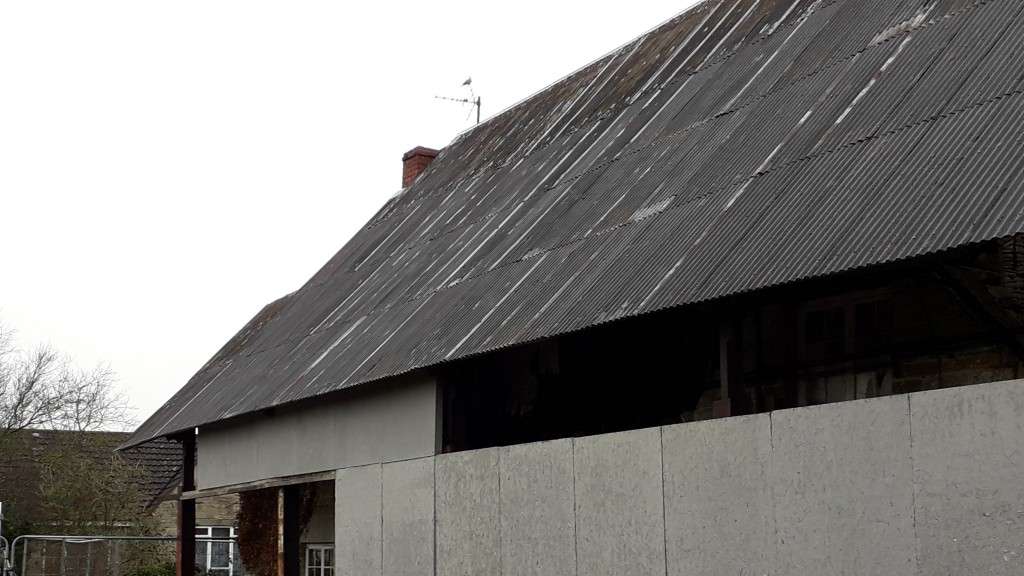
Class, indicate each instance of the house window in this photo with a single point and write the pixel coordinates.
(217, 558)
(320, 560)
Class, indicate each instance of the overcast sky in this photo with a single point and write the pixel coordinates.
(167, 168)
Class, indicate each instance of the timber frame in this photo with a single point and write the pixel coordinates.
(186, 546)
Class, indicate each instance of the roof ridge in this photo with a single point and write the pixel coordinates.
(697, 6)
(627, 102)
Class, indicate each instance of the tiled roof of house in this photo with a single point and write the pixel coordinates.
(742, 145)
(161, 460)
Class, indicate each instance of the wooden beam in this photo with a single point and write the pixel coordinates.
(280, 532)
(791, 357)
(259, 485)
(186, 544)
(288, 530)
(982, 306)
(734, 401)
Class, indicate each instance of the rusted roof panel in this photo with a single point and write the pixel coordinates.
(743, 144)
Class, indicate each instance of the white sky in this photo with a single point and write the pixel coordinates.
(167, 168)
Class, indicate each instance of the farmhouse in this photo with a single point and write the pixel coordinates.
(743, 296)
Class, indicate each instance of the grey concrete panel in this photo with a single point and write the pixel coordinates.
(718, 505)
(538, 523)
(968, 449)
(218, 454)
(357, 520)
(468, 541)
(620, 529)
(387, 424)
(842, 484)
(409, 518)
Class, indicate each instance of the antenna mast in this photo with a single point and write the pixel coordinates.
(473, 100)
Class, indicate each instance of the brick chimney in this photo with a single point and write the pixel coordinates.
(414, 162)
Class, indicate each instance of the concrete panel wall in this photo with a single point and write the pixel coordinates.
(468, 531)
(538, 520)
(843, 489)
(719, 517)
(408, 489)
(620, 528)
(357, 520)
(968, 450)
(378, 425)
(831, 490)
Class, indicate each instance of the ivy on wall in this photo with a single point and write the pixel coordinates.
(258, 529)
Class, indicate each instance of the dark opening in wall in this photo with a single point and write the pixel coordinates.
(609, 379)
(902, 329)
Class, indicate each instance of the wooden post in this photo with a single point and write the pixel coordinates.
(186, 549)
(791, 337)
(280, 532)
(288, 561)
(735, 400)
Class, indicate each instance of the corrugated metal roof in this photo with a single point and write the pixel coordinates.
(743, 144)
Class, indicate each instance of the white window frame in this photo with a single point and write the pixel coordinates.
(207, 532)
(321, 570)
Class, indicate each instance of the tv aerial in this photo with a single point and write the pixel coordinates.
(472, 100)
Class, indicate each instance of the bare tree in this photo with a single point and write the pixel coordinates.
(41, 388)
(73, 481)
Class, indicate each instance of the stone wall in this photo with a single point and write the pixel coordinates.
(925, 484)
(215, 511)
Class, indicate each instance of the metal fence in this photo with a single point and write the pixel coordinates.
(51, 555)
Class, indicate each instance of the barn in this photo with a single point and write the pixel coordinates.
(743, 296)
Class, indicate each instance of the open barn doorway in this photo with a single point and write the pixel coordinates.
(288, 530)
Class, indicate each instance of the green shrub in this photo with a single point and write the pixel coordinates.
(165, 569)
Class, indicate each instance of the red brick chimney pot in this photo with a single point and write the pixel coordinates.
(414, 162)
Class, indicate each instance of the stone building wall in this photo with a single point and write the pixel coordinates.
(216, 511)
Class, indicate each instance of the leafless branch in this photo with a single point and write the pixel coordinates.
(41, 388)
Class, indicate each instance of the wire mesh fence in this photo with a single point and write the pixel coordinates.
(116, 556)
